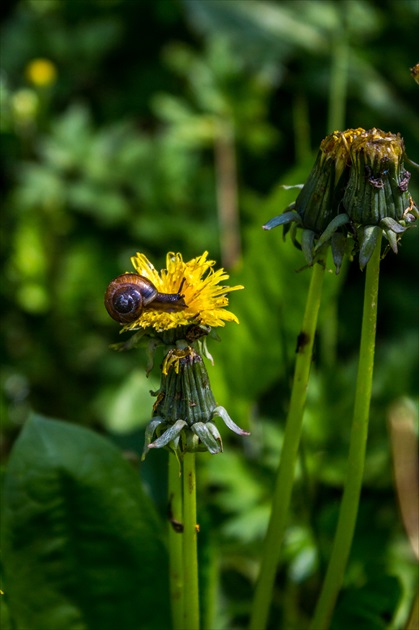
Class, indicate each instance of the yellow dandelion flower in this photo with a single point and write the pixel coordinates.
(176, 308)
(201, 299)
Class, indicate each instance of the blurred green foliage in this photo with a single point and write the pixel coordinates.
(118, 153)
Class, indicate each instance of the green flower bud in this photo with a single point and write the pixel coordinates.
(319, 200)
(377, 192)
(318, 206)
(378, 181)
(185, 407)
(185, 390)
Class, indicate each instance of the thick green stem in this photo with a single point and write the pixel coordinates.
(177, 591)
(190, 557)
(285, 478)
(350, 502)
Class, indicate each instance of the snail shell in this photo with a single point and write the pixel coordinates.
(129, 294)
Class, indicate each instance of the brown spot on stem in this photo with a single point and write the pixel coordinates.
(177, 525)
(302, 340)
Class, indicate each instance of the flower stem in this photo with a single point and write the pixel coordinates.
(177, 591)
(285, 477)
(357, 448)
(190, 558)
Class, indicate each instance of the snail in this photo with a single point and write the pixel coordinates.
(130, 294)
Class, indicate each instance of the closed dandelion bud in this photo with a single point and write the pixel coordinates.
(377, 197)
(319, 200)
(185, 407)
(185, 391)
(378, 183)
(317, 209)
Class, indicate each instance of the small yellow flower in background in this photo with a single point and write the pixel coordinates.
(199, 285)
(41, 72)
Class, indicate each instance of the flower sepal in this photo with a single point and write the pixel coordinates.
(282, 219)
(222, 413)
(368, 237)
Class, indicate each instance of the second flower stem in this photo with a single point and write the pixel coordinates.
(190, 556)
(177, 591)
(285, 477)
(356, 459)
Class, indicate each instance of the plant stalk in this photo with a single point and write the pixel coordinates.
(357, 449)
(190, 556)
(285, 476)
(177, 591)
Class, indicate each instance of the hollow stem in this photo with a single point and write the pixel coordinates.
(177, 591)
(285, 476)
(357, 448)
(190, 557)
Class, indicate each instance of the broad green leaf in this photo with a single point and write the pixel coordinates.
(83, 547)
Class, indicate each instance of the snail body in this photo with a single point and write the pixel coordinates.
(130, 294)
